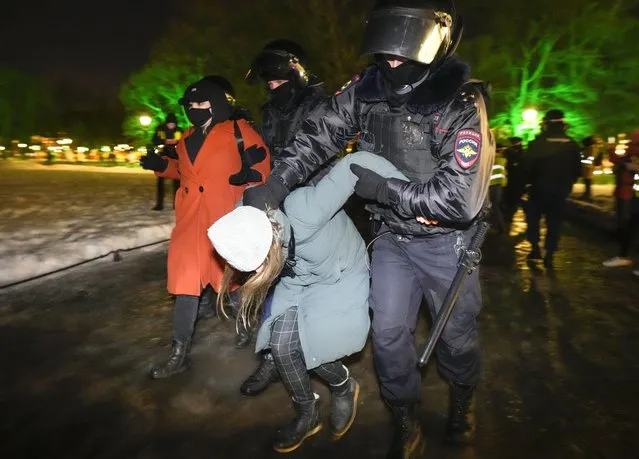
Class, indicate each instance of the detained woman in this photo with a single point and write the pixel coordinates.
(213, 168)
(317, 313)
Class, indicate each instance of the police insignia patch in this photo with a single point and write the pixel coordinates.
(348, 84)
(467, 147)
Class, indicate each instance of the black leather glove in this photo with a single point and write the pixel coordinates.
(370, 185)
(152, 162)
(252, 155)
(270, 195)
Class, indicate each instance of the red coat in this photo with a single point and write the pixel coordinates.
(204, 196)
(624, 179)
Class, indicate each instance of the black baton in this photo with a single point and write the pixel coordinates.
(467, 264)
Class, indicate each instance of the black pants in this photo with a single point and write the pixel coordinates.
(512, 194)
(289, 360)
(495, 194)
(403, 273)
(551, 206)
(588, 191)
(627, 225)
(159, 192)
(185, 312)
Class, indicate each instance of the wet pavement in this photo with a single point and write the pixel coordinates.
(560, 369)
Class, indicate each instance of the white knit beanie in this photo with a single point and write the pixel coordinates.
(243, 238)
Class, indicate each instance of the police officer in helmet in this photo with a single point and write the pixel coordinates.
(293, 92)
(416, 107)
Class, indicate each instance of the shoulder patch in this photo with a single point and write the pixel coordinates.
(467, 147)
(348, 84)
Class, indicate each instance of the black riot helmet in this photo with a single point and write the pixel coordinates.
(424, 31)
(282, 60)
(225, 84)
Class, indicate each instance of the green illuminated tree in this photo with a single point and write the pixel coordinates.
(575, 55)
(155, 91)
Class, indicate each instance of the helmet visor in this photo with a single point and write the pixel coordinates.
(270, 65)
(407, 32)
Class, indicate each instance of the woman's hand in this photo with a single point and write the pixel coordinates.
(425, 221)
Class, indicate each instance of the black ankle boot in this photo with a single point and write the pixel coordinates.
(206, 307)
(265, 374)
(460, 428)
(343, 407)
(178, 361)
(408, 441)
(306, 424)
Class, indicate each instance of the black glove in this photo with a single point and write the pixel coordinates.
(370, 185)
(152, 162)
(252, 155)
(270, 195)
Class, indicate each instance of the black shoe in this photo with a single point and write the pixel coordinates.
(306, 424)
(178, 361)
(158, 207)
(535, 255)
(265, 374)
(343, 407)
(408, 440)
(460, 428)
(207, 307)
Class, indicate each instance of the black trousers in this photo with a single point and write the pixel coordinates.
(159, 191)
(403, 273)
(552, 207)
(289, 360)
(185, 311)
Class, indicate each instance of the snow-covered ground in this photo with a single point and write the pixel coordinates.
(53, 217)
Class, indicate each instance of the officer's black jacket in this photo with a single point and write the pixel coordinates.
(455, 194)
(553, 163)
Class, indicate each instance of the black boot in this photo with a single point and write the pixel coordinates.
(408, 441)
(306, 424)
(343, 407)
(460, 429)
(206, 307)
(265, 374)
(178, 361)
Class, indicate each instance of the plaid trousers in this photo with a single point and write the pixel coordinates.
(289, 360)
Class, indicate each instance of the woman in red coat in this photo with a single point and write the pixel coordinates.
(213, 167)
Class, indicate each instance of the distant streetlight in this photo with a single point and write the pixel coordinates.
(145, 121)
(530, 115)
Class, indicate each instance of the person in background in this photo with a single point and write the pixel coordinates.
(516, 177)
(554, 166)
(497, 183)
(165, 138)
(627, 200)
(213, 171)
(293, 92)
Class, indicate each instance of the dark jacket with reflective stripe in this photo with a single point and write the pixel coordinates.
(439, 139)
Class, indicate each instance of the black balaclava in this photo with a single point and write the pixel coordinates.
(199, 116)
(408, 73)
(284, 94)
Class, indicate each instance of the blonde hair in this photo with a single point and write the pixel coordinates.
(254, 288)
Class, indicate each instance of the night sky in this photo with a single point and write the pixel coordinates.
(90, 45)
